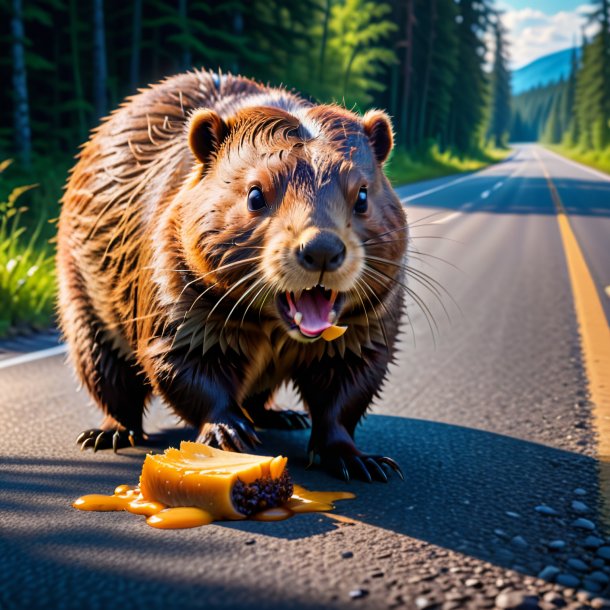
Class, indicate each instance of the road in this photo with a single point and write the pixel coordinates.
(489, 415)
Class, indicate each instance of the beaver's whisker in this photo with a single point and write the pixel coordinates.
(418, 300)
(252, 300)
(228, 292)
(423, 278)
(366, 287)
(404, 228)
(241, 298)
(438, 258)
(357, 292)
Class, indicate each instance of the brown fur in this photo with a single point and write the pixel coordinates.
(167, 281)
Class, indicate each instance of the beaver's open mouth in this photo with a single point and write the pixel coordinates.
(310, 311)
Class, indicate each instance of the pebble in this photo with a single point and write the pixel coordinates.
(347, 555)
(598, 563)
(516, 600)
(577, 564)
(552, 597)
(545, 510)
(579, 491)
(557, 545)
(500, 533)
(604, 552)
(592, 586)
(584, 524)
(250, 542)
(568, 580)
(473, 582)
(599, 577)
(579, 507)
(423, 602)
(592, 542)
(549, 573)
(600, 604)
(358, 593)
(519, 541)
(510, 513)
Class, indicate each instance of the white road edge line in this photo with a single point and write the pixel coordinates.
(436, 188)
(33, 356)
(590, 170)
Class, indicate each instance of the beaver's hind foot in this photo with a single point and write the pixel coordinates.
(96, 438)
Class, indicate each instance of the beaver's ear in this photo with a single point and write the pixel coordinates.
(378, 128)
(206, 132)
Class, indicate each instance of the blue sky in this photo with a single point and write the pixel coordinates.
(542, 27)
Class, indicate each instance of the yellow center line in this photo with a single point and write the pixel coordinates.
(595, 338)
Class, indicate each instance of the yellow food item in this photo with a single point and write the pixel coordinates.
(333, 332)
(225, 485)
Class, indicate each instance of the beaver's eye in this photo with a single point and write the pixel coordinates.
(256, 199)
(362, 204)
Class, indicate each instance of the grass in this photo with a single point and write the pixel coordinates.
(599, 159)
(27, 269)
(405, 167)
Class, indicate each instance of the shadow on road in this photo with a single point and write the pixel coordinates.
(468, 490)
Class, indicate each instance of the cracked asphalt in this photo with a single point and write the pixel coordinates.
(488, 415)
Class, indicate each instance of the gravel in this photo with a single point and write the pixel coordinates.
(584, 524)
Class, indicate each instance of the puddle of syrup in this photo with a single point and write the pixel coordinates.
(159, 515)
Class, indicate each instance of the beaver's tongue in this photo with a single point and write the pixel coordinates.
(314, 307)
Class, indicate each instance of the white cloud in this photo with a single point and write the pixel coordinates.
(532, 33)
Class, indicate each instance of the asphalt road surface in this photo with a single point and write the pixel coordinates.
(488, 415)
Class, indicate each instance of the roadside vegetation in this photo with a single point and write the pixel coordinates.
(27, 274)
(73, 62)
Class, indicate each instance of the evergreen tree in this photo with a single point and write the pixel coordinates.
(500, 89)
(469, 89)
(592, 104)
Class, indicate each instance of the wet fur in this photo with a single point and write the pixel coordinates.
(147, 226)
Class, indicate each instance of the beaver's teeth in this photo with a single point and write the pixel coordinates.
(332, 316)
(298, 317)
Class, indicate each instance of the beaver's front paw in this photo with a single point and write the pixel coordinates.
(96, 438)
(348, 462)
(236, 435)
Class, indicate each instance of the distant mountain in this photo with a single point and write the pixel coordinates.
(543, 71)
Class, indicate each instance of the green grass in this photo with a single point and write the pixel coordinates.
(27, 269)
(599, 159)
(426, 164)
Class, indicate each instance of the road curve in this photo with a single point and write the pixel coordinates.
(488, 414)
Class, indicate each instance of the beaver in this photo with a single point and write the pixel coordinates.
(211, 230)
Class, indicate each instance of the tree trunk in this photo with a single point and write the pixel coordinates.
(136, 44)
(238, 29)
(408, 69)
(428, 70)
(78, 83)
(186, 52)
(324, 41)
(100, 71)
(23, 136)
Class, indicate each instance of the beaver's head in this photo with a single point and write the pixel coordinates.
(289, 214)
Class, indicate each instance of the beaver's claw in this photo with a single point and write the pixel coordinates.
(95, 438)
(285, 419)
(235, 436)
(359, 466)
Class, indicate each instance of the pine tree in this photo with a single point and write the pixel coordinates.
(592, 104)
(500, 89)
(468, 94)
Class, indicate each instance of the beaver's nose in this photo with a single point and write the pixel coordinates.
(324, 252)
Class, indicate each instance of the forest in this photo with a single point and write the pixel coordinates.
(71, 62)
